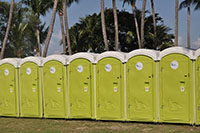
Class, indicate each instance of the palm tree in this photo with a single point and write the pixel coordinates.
(187, 4)
(142, 23)
(133, 4)
(176, 23)
(65, 4)
(62, 30)
(104, 26)
(67, 27)
(116, 25)
(154, 22)
(50, 28)
(8, 28)
(38, 7)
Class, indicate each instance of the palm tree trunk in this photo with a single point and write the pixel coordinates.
(142, 23)
(136, 25)
(62, 31)
(38, 49)
(8, 28)
(176, 23)
(154, 23)
(188, 25)
(67, 28)
(50, 28)
(116, 25)
(18, 52)
(104, 26)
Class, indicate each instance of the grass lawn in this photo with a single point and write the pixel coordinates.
(59, 125)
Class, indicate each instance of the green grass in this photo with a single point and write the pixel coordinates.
(60, 126)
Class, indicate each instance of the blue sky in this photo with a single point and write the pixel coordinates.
(165, 8)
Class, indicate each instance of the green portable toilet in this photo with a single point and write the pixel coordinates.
(54, 86)
(9, 99)
(176, 96)
(110, 86)
(81, 85)
(30, 87)
(141, 87)
(197, 86)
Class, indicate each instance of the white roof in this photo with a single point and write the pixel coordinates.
(36, 60)
(82, 55)
(114, 54)
(147, 52)
(179, 50)
(61, 58)
(197, 53)
(12, 61)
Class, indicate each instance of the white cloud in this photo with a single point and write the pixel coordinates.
(196, 44)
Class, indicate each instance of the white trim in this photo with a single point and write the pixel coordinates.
(196, 54)
(12, 61)
(157, 88)
(114, 54)
(179, 50)
(147, 52)
(194, 106)
(95, 103)
(125, 111)
(36, 60)
(87, 56)
(61, 58)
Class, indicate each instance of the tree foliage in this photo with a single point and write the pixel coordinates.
(86, 34)
(22, 39)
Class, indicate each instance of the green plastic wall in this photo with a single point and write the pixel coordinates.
(54, 90)
(141, 89)
(176, 89)
(81, 89)
(110, 89)
(197, 90)
(30, 90)
(9, 101)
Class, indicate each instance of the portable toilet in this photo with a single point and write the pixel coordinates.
(54, 86)
(30, 87)
(110, 86)
(176, 85)
(197, 86)
(81, 85)
(141, 85)
(9, 96)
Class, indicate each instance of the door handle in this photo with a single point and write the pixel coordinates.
(115, 86)
(85, 87)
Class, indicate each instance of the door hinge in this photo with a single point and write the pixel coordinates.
(198, 107)
(188, 74)
(98, 105)
(128, 70)
(129, 106)
(97, 71)
(198, 68)
(152, 75)
(120, 76)
(161, 106)
(90, 76)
